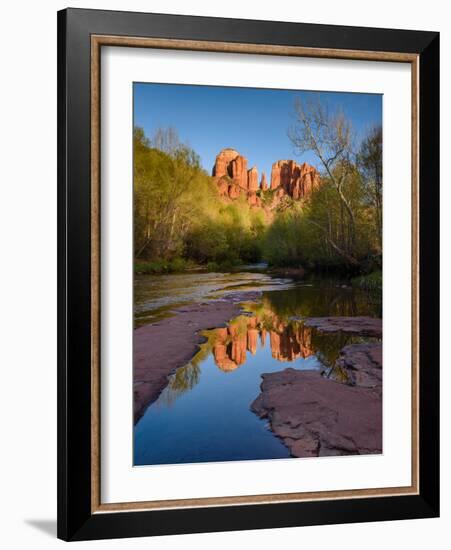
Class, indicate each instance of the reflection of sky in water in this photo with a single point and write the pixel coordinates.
(212, 421)
(204, 414)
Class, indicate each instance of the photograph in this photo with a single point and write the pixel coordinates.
(257, 273)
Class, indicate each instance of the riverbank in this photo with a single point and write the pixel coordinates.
(368, 281)
(162, 347)
(203, 343)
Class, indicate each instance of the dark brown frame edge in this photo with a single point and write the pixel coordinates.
(75, 518)
(97, 43)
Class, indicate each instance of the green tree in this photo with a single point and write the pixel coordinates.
(328, 136)
(370, 164)
(168, 194)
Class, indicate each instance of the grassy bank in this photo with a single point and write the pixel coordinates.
(180, 265)
(372, 281)
(158, 267)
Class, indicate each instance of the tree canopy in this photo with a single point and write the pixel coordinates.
(178, 213)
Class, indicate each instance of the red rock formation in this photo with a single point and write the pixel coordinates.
(239, 171)
(288, 178)
(362, 326)
(316, 416)
(231, 164)
(253, 199)
(252, 179)
(233, 191)
(363, 365)
(293, 179)
(223, 187)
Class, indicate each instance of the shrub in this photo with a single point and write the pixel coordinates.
(161, 266)
(373, 281)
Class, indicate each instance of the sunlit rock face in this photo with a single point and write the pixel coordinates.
(253, 199)
(252, 179)
(287, 342)
(230, 164)
(288, 179)
(293, 179)
(234, 179)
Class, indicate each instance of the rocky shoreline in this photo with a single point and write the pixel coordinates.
(312, 414)
(360, 326)
(160, 348)
(318, 416)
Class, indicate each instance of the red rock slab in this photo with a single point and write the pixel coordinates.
(362, 326)
(315, 416)
(160, 348)
(363, 365)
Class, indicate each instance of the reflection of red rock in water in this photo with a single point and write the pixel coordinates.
(252, 339)
(287, 342)
(239, 349)
(291, 344)
(229, 349)
(222, 360)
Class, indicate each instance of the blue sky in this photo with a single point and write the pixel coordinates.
(252, 121)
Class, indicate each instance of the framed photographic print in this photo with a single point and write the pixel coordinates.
(248, 274)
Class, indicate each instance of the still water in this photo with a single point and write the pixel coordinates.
(204, 413)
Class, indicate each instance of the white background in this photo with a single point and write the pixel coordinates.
(28, 274)
(119, 481)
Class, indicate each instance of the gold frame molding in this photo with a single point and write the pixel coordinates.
(97, 41)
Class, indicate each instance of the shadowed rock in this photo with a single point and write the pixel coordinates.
(315, 416)
(363, 326)
(363, 365)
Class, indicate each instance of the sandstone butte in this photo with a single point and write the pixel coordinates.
(288, 179)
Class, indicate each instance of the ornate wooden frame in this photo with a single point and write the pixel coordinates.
(81, 35)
